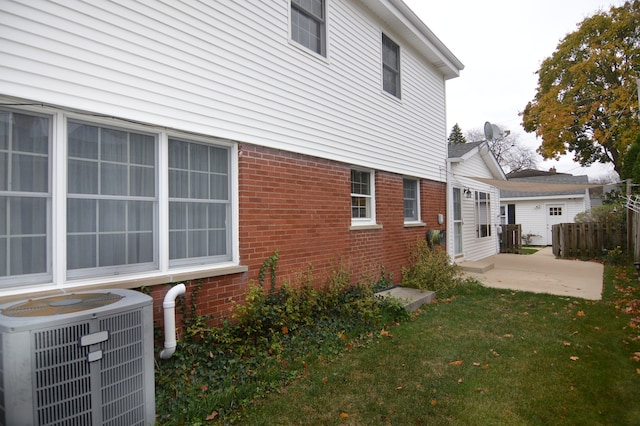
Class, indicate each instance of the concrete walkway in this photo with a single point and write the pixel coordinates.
(540, 273)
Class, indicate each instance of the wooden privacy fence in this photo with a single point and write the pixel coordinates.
(587, 240)
(511, 239)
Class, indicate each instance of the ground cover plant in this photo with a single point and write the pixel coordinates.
(272, 339)
(483, 356)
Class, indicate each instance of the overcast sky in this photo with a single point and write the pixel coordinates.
(502, 44)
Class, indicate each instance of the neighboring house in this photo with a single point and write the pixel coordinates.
(538, 206)
(146, 143)
(474, 206)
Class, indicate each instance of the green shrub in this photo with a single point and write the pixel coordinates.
(616, 257)
(430, 269)
(272, 338)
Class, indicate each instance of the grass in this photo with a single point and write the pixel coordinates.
(484, 356)
(529, 250)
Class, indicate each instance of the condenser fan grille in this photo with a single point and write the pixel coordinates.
(57, 305)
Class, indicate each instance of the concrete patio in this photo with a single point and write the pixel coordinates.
(540, 272)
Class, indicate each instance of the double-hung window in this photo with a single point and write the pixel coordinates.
(362, 197)
(308, 24)
(83, 198)
(199, 204)
(483, 214)
(25, 198)
(390, 66)
(411, 200)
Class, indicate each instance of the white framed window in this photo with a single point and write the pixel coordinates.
(308, 24)
(555, 211)
(483, 214)
(457, 221)
(111, 200)
(390, 66)
(199, 203)
(362, 197)
(25, 197)
(411, 195)
(84, 198)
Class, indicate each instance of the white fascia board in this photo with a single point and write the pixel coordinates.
(407, 24)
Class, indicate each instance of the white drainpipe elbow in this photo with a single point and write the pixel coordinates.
(169, 306)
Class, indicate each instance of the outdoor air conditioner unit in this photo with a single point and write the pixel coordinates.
(78, 359)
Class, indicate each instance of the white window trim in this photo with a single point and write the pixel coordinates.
(417, 221)
(58, 183)
(476, 208)
(324, 55)
(369, 221)
(396, 97)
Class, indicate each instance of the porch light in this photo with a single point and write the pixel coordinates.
(467, 193)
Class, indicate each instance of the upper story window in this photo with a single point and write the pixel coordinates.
(411, 200)
(362, 197)
(390, 66)
(483, 214)
(308, 24)
(113, 207)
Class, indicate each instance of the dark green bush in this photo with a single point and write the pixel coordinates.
(430, 269)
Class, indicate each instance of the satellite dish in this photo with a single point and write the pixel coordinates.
(492, 132)
(488, 131)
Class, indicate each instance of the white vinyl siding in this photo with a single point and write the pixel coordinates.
(532, 213)
(474, 247)
(227, 69)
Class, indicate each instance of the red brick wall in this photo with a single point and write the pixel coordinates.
(301, 206)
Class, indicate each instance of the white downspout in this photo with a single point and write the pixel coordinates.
(169, 306)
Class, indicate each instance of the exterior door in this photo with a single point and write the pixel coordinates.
(556, 213)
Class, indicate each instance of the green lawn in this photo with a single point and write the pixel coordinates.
(481, 357)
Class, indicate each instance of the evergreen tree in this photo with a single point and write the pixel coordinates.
(456, 135)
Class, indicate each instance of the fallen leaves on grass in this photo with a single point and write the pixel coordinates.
(574, 358)
(457, 362)
(385, 333)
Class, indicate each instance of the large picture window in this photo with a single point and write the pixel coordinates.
(308, 24)
(483, 214)
(111, 201)
(25, 198)
(125, 199)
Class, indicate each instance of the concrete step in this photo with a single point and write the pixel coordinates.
(411, 297)
(477, 267)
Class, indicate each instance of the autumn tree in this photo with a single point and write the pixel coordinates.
(456, 135)
(586, 100)
(630, 168)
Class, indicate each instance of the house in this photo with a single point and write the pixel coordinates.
(474, 205)
(152, 143)
(543, 200)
